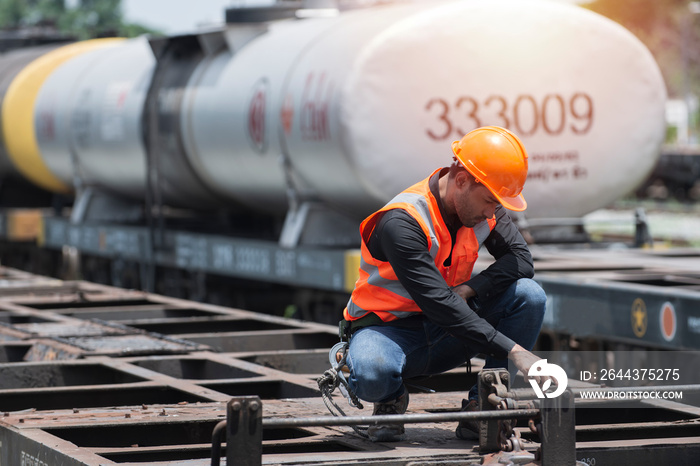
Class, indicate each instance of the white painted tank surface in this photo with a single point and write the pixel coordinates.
(231, 112)
(366, 103)
(88, 117)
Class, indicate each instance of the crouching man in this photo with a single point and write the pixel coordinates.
(416, 309)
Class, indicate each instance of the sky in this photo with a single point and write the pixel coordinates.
(176, 16)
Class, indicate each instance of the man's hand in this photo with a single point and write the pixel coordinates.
(464, 291)
(523, 360)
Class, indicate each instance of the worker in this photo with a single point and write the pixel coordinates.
(416, 310)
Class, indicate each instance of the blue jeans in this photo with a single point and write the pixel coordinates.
(380, 357)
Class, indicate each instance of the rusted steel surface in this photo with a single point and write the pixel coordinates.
(94, 375)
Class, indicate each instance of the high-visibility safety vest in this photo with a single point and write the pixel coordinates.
(379, 291)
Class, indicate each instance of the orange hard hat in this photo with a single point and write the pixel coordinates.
(498, 160)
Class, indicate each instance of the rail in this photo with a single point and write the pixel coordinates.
(553, 420)
(326, 421)
(247, 410)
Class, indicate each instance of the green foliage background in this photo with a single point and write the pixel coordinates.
(90, 19)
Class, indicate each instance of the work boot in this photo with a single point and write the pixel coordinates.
(389, 432)
(468, 429)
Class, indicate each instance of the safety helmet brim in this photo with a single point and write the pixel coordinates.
(517, 203)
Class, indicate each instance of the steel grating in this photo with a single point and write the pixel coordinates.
(151, 378)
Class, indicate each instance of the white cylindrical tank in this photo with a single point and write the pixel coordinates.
(88, 117)
(367, 103)
(231, 117)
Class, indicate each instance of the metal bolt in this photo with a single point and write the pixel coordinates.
(504, 377)
(254, 406)
(508, 445)
(236, 406)
(488, 378)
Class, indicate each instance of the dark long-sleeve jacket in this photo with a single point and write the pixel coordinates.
(399, 239)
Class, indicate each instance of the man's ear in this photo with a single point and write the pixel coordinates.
(461, 179)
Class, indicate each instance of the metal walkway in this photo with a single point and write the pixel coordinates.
(94, 375)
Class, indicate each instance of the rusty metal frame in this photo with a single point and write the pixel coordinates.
(180, 396)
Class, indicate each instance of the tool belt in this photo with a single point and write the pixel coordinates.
(347, 327)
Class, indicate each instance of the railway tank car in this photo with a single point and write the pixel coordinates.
(344, 111)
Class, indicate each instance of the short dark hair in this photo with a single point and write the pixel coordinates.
(457, 167)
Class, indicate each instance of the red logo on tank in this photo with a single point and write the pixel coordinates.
(256, 116)
(287, 114)
(315, 124)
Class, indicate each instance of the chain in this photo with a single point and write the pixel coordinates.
(332, 379)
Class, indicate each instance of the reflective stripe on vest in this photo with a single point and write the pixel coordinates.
(379, 291)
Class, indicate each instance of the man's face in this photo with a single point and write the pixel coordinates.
(474, 203)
